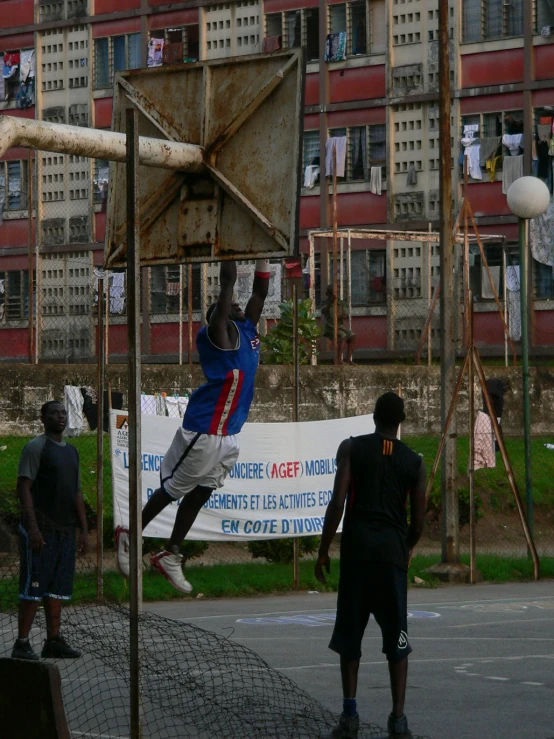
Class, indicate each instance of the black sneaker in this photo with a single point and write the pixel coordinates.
(58, 648)
(398, 727)
(22, 649)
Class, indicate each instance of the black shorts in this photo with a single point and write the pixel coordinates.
(377, 588)
(47, 573)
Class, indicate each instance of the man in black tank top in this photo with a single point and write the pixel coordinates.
(376, 475)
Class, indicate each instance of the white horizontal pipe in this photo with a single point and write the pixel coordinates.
(97, 144)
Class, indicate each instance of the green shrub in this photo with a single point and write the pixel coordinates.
(281, 550)
(277, 344)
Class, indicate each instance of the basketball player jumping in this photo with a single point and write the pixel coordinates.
(206, 446)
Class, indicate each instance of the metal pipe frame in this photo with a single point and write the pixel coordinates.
(97, 144)
(383, 235)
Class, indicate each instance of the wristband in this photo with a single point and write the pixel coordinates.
(262, 269)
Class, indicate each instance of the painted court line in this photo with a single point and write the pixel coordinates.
(500, 623)
(477, 661)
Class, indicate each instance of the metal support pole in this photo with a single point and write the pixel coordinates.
(30, 252)
(189, 291)
(135, 486)
(524, 270)
(100, 375)
(341, 271)
(349, 278)
(336, 359)
(295, 409)
(471, 431)
(528, 79)
(107, 317)
(312, 288)
(505, 298)
(180, 314)
(429, 299)
(449, 494)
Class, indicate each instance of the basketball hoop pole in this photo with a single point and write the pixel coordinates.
(134, 353)
(92, 142)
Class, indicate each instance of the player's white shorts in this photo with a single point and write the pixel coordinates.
(197, 459)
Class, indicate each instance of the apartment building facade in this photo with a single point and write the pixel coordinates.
(371, 83)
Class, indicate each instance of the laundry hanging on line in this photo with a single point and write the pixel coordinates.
(338, 142)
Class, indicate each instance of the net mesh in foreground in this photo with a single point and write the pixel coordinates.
(193, 683)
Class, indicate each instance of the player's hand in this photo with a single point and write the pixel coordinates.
(35, 539)
(322, 562)
(83, 542)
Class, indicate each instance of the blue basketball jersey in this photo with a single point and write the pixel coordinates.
(221, 405)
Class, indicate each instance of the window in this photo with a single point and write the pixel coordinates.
(100, 181)
(180, 44)
(357, 154)
(489, 19)
(368, 269)
(274, 24)
(302, 29)
(543, 277)
(366, 147)
(311, 148)
(293, 28)
(164, 289)
(14, 295)
(350, 18)
(17, 82)
(337, 18)
(378, 146)
(491, 125)
(102, 75)
(478, 277)
(357, 31)
(114, 54)
(13, 184)
(545, 14)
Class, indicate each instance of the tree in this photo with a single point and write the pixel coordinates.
(277, 344)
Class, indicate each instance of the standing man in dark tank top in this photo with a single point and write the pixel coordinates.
(376, 476)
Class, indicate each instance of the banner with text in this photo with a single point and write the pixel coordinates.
(280, 486)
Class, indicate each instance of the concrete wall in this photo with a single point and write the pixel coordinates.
(325, 392)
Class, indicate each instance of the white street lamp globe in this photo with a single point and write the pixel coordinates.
(528, 197)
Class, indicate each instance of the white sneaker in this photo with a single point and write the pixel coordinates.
(170, 566)
(122, 550)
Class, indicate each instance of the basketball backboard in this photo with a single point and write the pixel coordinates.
(247, 114)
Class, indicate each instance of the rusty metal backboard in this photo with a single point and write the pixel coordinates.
(246, 113)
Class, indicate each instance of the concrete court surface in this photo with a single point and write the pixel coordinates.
(482, 665)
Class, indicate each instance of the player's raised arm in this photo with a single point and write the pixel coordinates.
(260, 288)
(219, 320)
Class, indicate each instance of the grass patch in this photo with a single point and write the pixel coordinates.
(495, 480)
(493, 567)
(235, 580)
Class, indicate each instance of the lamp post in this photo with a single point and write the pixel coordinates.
(528, 197)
